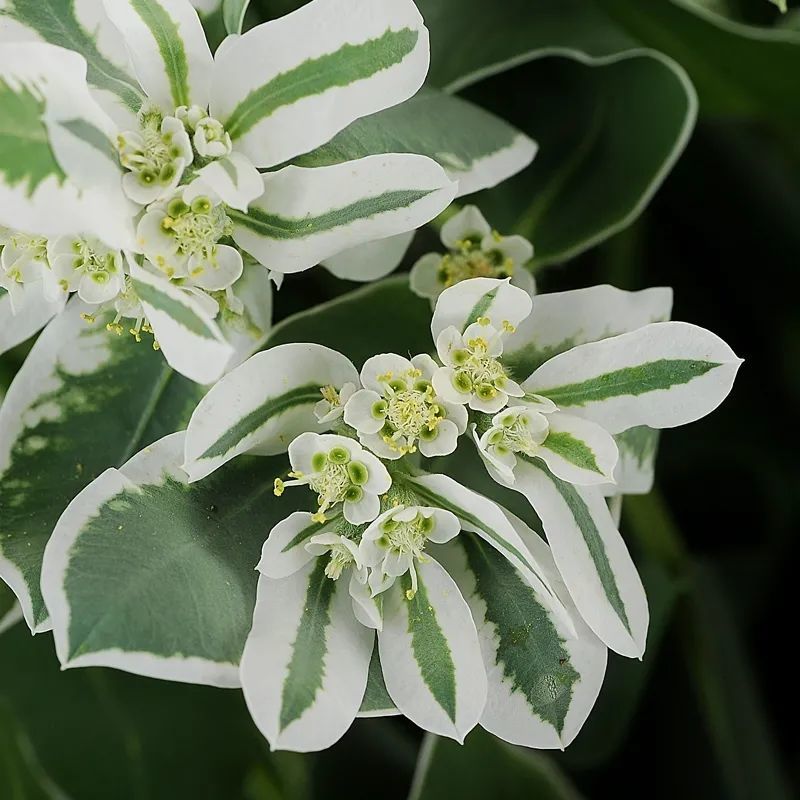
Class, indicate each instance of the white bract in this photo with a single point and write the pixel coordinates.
(475, 251)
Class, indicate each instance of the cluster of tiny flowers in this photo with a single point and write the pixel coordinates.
(181, 233)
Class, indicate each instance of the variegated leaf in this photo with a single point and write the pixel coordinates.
(306, 661)
(661, 375)
(32, 314)
(233, 12)
(307, 215)
(282, 92)
(84, 400)
(263, 404)
(152, 575)
(430, 654)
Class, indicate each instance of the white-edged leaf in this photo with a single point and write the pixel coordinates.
(476, 148)
(83, 26)
(168, 50)
(563, 320)
(578, 450)
(58, 174)
(430, 654)
(190, 339)
(263, 404)
(590, 554)
(83, 401)
(305, 664)
(32, 314)
(151, 575)
(288, 86)
(462, 304)
(233, 12)
(308, 215)
(635, 470)
(480, 515)
(543, 679)
(661, 375)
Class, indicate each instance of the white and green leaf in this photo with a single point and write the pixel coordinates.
(635, 470)
(590, 554)
(263, 404)
(71, 412)
(82, 26)
(306, 215)
(281, 92)
(152, 575)
(430, 654)
(233, 12)
(563, 320)
(483, 517)
(168, 50)
(56, 175)
(543, 679)
(370, 261)
(189, 337)
(578, 451)
(661, 375)
(306, 661)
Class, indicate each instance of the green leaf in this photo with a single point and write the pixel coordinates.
(486, 767)
(26, 156)
(84, 400)
(376, 702)
(605, 152)
(348, 64)
(739, 70)
(233, 12)
(10, 612)
(355, 323)
(572, 449)
(475, 147)
(56, 22)
(150, 574)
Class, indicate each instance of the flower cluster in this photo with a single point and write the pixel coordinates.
(178, 204)
(436, 569)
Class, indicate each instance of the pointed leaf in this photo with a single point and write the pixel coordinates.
(233, 12)
(305, 664)
(282, 92)
(70, 413)
(308, 215)
(376, 702)
(263, 404)
(662, 375)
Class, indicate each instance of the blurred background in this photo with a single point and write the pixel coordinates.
(710, 711)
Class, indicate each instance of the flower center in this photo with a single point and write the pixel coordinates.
(407, 537)
(197, 228)
(94, 260)
(152, 151)
(340, 558)
(409, 410)
(29, 248)
(515, 432)
(336, 478)
(473, 262)
(478, 372)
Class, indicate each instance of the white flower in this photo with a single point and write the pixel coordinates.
(340, 471)
(87, 266)
(331, 407)
(396, 540)
(23, 260)
(398, 412)
(210, 139)
(475, 251)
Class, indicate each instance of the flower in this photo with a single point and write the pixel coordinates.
(339, 471)
(395, 542)
(475, 251)
(398, 411)
(23, 260)
(86, 266)
(331, 407)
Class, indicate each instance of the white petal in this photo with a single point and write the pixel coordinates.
(424, 277)
(383, 364)
(225, 269)
(284, 552)
(234, 180)
(469, 223)
(364, 510)
(94, 293)
(370, 261)
(445, 442)
(358, 412)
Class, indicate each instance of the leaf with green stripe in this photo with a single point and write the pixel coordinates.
(306, 215)
(301, 90)
(84, 400)
(480, 515)
(590, 555)
(153, 575)
(376, 702)
(430, 654)
(76, 26)
(489, 298)
(306, 661)
(168, 49)
(543, 680)
(190, 339)
(635, 469)
(263, 404)
(233, 13)
(661, 375)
